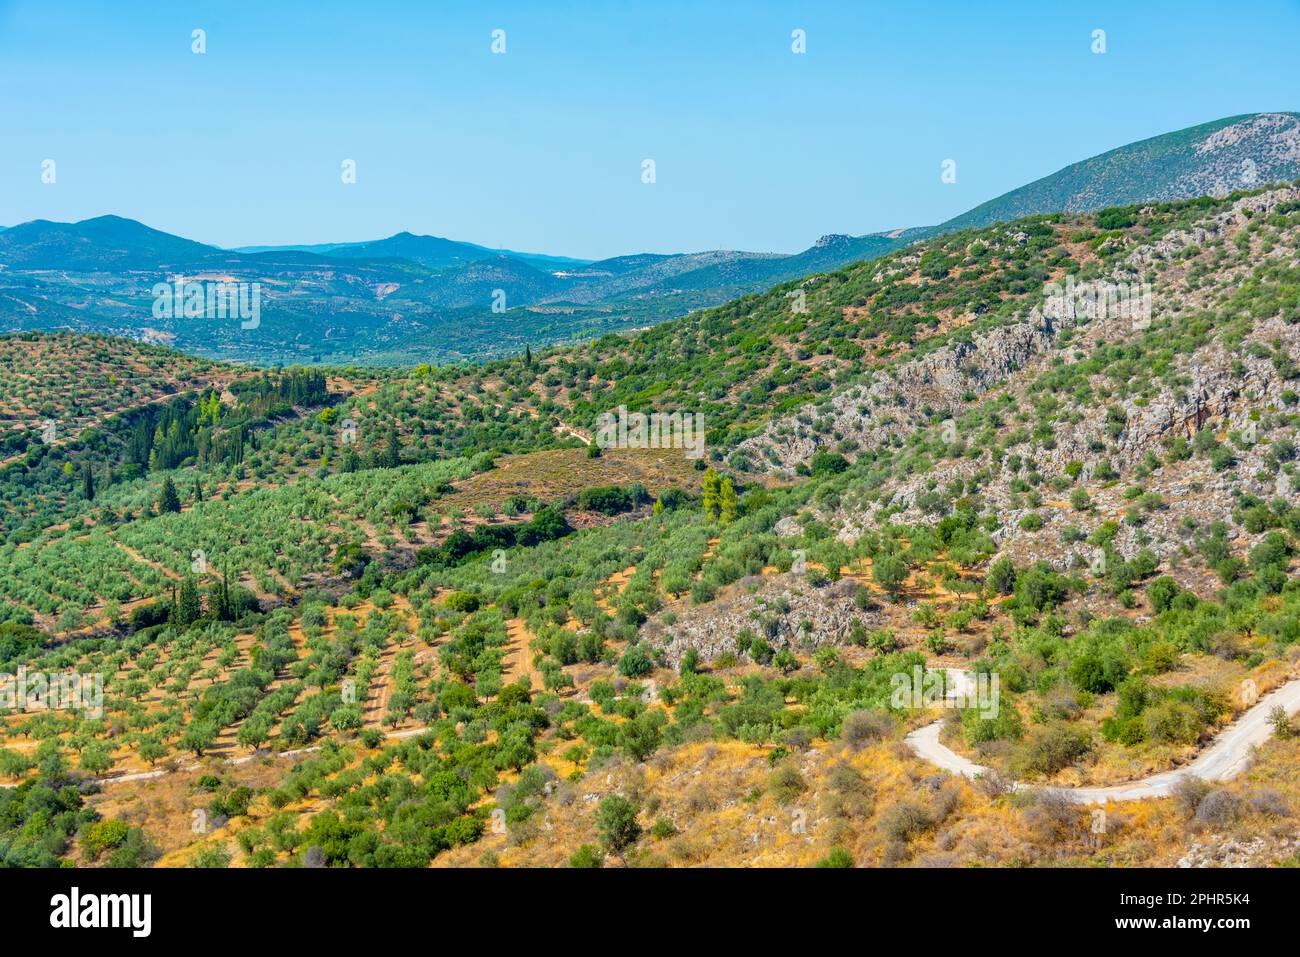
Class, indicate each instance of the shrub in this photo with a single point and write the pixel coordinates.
(462, 601)
(863, 727)
(616, 820)
(1097, 674)
(635, 663)
(1039, 588)
(1052, 815)
(611, 499)
(838, 857)
(1188, 793)
(827, 463)
(993, 785)
(1172, 722)
(845, 779)
(786, 784)
(102, 835)
(760, 651)
(1218, 807)
(1002, 576)
(209, 857)
(1049, 749)
(1282, 727)
(1005, 725)
(1114, 217)
(1160, 656)
(1270, 803)
(905, 820)
(663, 829)
(1161, 593)
(587, 856)
(883, 640)
(799, 737)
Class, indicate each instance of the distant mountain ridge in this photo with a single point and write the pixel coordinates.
(412, 297)
(431, 251)
(105, 242)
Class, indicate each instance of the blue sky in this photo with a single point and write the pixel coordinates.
(541, 149)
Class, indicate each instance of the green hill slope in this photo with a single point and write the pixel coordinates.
(1238, 152)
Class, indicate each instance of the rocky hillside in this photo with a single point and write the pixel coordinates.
(1067, 388)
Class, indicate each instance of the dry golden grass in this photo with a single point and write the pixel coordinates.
(721, 799)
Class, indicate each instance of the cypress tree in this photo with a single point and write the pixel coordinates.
(188, 608)
(712, 493)
(222, 610)
(727, 501)
(169, 501)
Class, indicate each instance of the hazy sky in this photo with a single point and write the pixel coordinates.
(541, 149)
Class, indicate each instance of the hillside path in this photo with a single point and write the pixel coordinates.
(1225, 758)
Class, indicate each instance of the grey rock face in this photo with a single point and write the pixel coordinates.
(785, 611)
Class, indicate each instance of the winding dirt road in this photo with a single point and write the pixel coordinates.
(1225, 758)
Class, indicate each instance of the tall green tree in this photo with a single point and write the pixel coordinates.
(712, 493)
(220, 598)
(168, 500)
(727, 504)
(188, 607)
